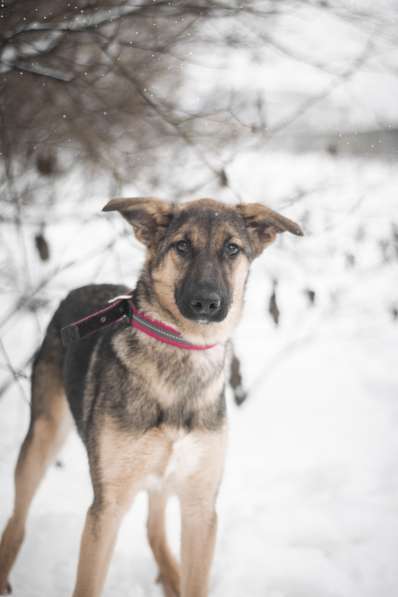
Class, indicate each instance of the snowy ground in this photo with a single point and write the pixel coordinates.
(309, 504)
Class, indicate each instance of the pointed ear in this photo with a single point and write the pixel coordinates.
(148, 216)
(263, 224)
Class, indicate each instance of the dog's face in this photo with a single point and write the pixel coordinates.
(199, 255)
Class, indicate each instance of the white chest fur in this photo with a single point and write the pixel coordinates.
(184, 460)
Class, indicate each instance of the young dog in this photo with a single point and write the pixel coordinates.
(147, 393)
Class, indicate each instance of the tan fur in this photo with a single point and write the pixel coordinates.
(212, 332)
(199, 518)
(264, 224)
(169, 573)
(123, 464)
(166, 277)
(127, 465)
(139, 210)
(152, 417)
(40, 447)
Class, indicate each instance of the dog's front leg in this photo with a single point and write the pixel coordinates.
(198, 534)
(119, 464)
(199, 518)
(98, 539)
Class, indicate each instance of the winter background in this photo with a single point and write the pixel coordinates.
(290, 103)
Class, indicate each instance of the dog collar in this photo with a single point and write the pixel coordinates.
(121, 307)
(162, 332)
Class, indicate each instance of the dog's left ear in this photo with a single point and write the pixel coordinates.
(148, 216)
(263, 224)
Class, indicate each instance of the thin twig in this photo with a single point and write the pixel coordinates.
(15, 374)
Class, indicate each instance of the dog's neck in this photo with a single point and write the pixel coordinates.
(145, 300)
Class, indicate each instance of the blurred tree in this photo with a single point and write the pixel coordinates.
(76, 77)
(99, 83)
(108, 88)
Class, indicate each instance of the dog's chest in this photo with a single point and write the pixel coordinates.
(184, 459)
(187, 382)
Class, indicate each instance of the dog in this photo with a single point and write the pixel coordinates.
(147, 392)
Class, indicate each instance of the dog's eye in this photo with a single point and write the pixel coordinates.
(182, 247)
(231, 249)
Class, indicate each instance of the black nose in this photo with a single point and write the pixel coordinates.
(206, 305)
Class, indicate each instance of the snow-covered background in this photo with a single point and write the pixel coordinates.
(309, 503)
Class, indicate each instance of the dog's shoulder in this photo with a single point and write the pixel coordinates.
(78, 356)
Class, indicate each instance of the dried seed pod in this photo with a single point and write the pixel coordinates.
(42, 246)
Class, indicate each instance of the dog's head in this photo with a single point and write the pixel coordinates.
(198, 256)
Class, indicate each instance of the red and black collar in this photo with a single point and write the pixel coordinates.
(122, 307)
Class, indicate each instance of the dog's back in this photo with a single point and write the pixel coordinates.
(67, 368)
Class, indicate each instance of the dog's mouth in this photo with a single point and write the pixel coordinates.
(203, 321)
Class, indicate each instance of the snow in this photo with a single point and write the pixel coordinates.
(309, 502)
(344, 55)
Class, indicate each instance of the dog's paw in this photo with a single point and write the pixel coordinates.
(166, 586)
(5, 589)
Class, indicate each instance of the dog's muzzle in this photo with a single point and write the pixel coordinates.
(203, 304)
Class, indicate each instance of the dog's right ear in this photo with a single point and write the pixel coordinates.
(148, 216)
